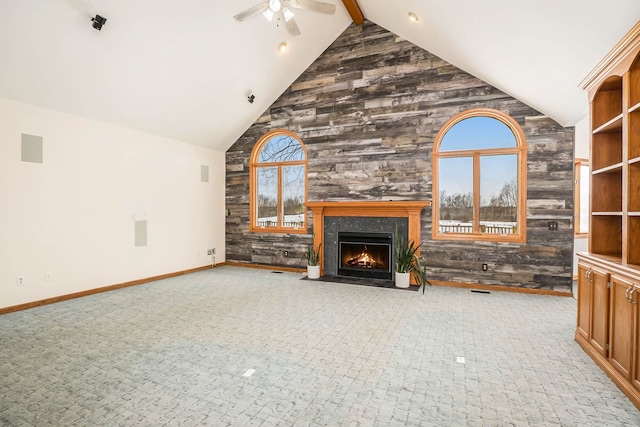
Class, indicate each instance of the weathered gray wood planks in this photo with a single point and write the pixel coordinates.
(368, 110)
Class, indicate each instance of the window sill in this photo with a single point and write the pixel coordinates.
(276, 230)
(511, 238)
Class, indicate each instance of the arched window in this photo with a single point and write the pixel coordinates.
(278, 173)
(479, 178)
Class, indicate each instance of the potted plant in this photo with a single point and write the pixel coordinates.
(313, 262)
(407, 262)
(420, 274)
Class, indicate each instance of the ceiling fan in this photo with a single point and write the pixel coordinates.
(280, 10)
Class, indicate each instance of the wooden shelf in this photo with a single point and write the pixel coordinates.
(633, 213)
(613, 260)
(609, 229)
(634, 107)
(633, 240)
(606, 106)
(634, 160)
(606, 190)
(634, 83)
(614, 213)
(617, 168)
(633, 187)
(634, 134)
(606, 150)
(613, 125)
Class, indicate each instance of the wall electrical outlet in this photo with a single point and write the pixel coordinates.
(485, 267)
(19, 281)
(285, 253)
(553, 225)
(211, 251)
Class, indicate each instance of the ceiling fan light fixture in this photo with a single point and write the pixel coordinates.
(413, 17)
(282, 12)
(282, 47)
(269, 14)
(275, 5)
(288, 14)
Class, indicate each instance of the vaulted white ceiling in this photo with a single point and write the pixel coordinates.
(183, 69)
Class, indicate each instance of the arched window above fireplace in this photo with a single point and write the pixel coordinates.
(278, 184)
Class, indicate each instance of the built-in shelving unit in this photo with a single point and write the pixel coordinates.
(607, 165)
(609, 274)
(633, 166)
(615, 163)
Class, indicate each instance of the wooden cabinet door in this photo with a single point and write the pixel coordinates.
(585, 295)
(599, 310)
(636, 344)
(621, 326)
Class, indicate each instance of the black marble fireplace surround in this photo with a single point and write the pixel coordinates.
(333, 225)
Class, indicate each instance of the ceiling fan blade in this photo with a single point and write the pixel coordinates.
(292, 27)
(251, 12)
(314, 5)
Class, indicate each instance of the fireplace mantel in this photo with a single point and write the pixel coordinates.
(410, 209)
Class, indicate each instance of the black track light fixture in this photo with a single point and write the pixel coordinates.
(98, 22)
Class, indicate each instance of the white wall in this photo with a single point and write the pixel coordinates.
(581, 146)
(73, 215)
(581, 152)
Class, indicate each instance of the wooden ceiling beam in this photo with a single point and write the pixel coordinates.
(354, 10)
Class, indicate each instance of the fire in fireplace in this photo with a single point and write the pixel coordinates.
(364, 255)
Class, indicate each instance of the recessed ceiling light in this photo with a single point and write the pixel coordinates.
(282, 47)
(413, 17)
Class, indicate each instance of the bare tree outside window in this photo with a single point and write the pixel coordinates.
(281, 148)
(499, 194)
(280, 179)
(478, 161)
(456, 195)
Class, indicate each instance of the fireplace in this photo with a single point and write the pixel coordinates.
(364, 216)
(365, 255)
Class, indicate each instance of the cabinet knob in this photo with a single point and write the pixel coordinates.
(633, 289)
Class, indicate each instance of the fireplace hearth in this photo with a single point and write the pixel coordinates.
(365, 255)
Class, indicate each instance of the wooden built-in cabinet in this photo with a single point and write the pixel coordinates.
(593, 308)
(608, 324)
(622, 325)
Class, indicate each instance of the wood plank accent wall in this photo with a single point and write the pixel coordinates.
(368, 110)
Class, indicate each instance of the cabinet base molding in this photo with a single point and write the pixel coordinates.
(629, 390)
